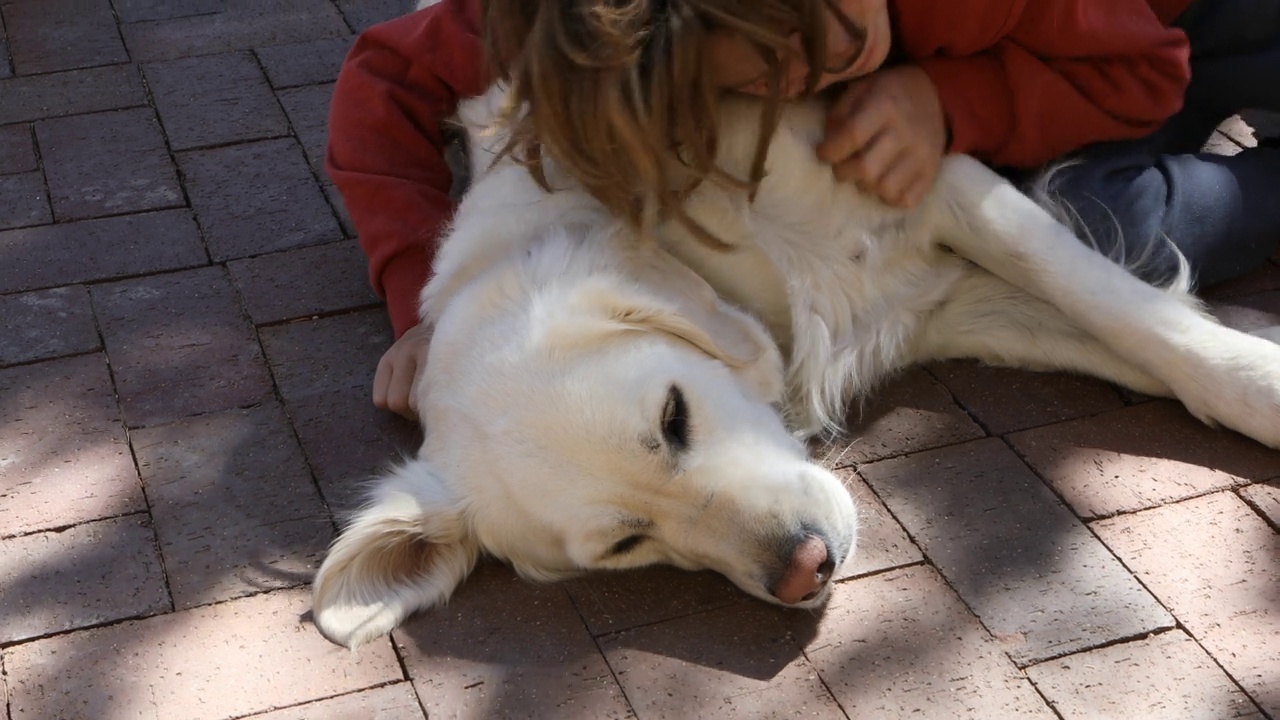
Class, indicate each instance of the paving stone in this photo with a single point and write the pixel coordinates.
(362, 14)
(1038, 579)
(1216, 564)
(913, 412)
(1166, 676)
(69, 93)
(46, 324)
(107, 164)
(88, 574)
(882, 543)
(6, 71)
(339, 207)
(256, 198)
(52, 35)
(1141, 457)
(324, 370)
(132, 11)
(1249, 313)
(308, 109)
(1265, 498)
(307, 281)
(901, 644)
(1263, 279)
(218, 661)
(238, 25)
(25, 203)
(234, 506)
(167, 366)
(1005, 400)
(1220, 144)
(305, 63)
(64, 456)
(68, 253)
(214, 100)
(506, 647)
(740, 662)
(17, 149)
(1238, 131)
(392, 702)
(613, 601)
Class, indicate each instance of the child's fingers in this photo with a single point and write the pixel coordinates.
(849, 131)
(400, 388)
(899, 181)
(382, 380)
(866, 168)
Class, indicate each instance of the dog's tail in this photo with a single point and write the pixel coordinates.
(1146, 265)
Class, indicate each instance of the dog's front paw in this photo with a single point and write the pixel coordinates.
(1237, 386)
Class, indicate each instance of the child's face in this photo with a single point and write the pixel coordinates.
(735, 65)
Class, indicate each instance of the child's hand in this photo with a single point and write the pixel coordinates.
(887, 135)
(398, 370)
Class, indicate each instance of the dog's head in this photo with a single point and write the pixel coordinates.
(607, 420)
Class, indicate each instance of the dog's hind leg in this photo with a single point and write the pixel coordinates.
(990, 320)
(1221, 375)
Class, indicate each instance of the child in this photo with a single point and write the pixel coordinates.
(1016, 83)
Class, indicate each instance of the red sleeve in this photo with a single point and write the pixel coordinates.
(1024, 82)
(399, 82)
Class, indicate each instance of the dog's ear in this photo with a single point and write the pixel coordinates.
(406, 550)
(663, 295)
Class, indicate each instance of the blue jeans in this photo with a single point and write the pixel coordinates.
(1159, 196)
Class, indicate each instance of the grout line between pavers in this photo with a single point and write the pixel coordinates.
(220, 144)
(1176, 626)
(133, 454)
(59, 529)
(346, 20)
(322, 315)
(149, 94)
(854, 464)
(51, 358)
(964, 601)
(1043, 698)
(78, 68)
(293, 133)
(311, 701)
(885, 570)
(1230, 488)
(140, 617)
(1257, 507)
(955, 400)
(120, 32)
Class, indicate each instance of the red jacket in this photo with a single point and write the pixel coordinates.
(1022, 82)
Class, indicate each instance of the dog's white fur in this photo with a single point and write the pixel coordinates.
(559, 336)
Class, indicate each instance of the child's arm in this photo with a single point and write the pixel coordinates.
(1025, 82)
(400, 82)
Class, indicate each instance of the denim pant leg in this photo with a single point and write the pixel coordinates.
(1155, 198)
(1145, 209)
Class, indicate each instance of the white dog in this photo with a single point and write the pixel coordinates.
(596, 402)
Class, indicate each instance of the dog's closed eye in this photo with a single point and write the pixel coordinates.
(675, 420)
(626, 544)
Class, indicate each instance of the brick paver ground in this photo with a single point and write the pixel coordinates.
(186, 345)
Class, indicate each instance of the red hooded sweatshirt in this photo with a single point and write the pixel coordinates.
(1021, 83)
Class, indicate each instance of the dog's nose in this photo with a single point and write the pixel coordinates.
(807, 573)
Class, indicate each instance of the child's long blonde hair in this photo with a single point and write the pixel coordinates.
(614, 89)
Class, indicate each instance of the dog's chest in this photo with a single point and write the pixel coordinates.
(824, 261)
